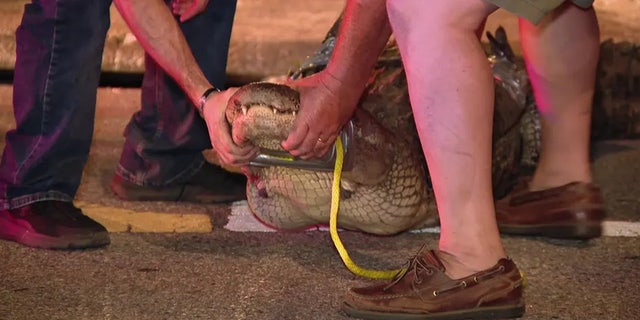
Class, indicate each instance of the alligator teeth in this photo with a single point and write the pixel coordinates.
(244, 110)
(294, 113)
(275, 111)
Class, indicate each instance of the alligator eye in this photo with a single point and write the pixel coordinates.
(262, 192)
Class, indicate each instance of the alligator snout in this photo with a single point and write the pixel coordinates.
(262, 113)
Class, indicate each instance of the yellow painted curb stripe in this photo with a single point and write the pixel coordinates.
(125, 220)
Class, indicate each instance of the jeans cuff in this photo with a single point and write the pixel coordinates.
(21, 201)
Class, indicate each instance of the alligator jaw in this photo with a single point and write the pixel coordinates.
(279, 98)
(262, 113)
(262, 127)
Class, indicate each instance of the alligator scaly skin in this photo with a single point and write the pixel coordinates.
(388, 191)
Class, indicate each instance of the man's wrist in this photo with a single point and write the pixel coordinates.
(349, 89)
(204, 97)
(341, 79)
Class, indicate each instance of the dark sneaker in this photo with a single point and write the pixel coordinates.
(52, 225)
(424, 291)
(573, 211)
(211, 184)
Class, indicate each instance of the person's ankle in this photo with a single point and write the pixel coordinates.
(546, 179)
(462, 265)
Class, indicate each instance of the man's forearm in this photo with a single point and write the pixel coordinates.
(154, 26)
(363, 35)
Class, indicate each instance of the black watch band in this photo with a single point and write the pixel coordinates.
(203, 99)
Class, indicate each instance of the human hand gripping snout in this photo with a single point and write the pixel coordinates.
(229, 153)
(325, 107)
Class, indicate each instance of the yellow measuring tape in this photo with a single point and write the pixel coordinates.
(333, 225)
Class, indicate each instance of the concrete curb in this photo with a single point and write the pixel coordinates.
(270, 36)
(255, 51)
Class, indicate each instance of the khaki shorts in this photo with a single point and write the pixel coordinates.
(535, 10)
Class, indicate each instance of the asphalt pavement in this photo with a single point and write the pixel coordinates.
(186, 261)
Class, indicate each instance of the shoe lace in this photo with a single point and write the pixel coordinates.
(417, 266)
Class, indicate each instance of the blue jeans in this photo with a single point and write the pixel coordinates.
(59, 51)
(165, 139)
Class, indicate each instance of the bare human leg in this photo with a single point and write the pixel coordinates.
(561, 54)
(451, 91)
(452, 95)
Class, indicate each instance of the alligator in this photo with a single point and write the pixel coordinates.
(387, 189)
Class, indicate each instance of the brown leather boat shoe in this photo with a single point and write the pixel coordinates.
(424, 291)
(573, 211)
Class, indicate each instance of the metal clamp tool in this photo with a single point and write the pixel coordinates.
(268, 158)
